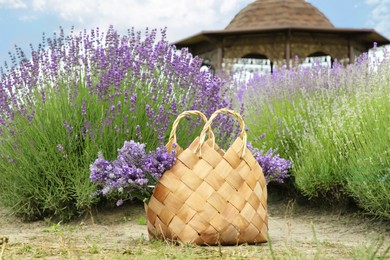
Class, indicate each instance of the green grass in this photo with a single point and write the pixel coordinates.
(109, 236)
(144, 249)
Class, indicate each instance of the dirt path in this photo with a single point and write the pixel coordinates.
(296, 229)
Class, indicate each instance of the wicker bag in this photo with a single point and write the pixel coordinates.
(211, 197)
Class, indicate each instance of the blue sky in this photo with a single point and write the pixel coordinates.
(23, 21)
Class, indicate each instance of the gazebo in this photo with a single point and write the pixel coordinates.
(279, 31)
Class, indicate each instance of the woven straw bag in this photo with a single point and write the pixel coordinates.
(211, 197)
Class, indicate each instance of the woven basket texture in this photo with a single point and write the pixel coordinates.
(211, 197)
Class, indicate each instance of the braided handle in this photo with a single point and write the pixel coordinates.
(207, 126)
(172, 136)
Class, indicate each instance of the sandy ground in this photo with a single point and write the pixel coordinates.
(291, 225)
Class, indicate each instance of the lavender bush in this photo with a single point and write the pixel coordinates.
(80, 93)
(333, 123)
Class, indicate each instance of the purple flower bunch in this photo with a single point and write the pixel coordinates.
(133, 170)
(275, 169)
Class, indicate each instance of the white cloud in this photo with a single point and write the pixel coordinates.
(229, 6)
(379, 17)
(38, 5)
(13, 4)
(27, 18)
(182, 17)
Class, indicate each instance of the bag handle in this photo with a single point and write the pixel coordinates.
(172, 136)
(207, 126)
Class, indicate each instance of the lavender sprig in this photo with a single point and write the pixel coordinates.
(158, 162)
(274, 167)
(133, 169)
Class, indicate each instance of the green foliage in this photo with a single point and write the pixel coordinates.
(378, 249)
(42, 180)
(141, 220)
(333, 124)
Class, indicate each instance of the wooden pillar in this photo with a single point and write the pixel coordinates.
(287, 49)
(351, 54)
(219, 58)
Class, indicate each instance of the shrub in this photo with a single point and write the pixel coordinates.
(332, 123)
(83, 93)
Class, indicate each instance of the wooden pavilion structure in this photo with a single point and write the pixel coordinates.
(280, 30)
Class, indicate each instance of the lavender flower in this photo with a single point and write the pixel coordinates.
(62, 150)
(100, 170)
(83, 109)
(138, 133)
(274, 167)
(43, 96)
(157, 162)
(133, 169)
(119, 202)
(132, 153)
